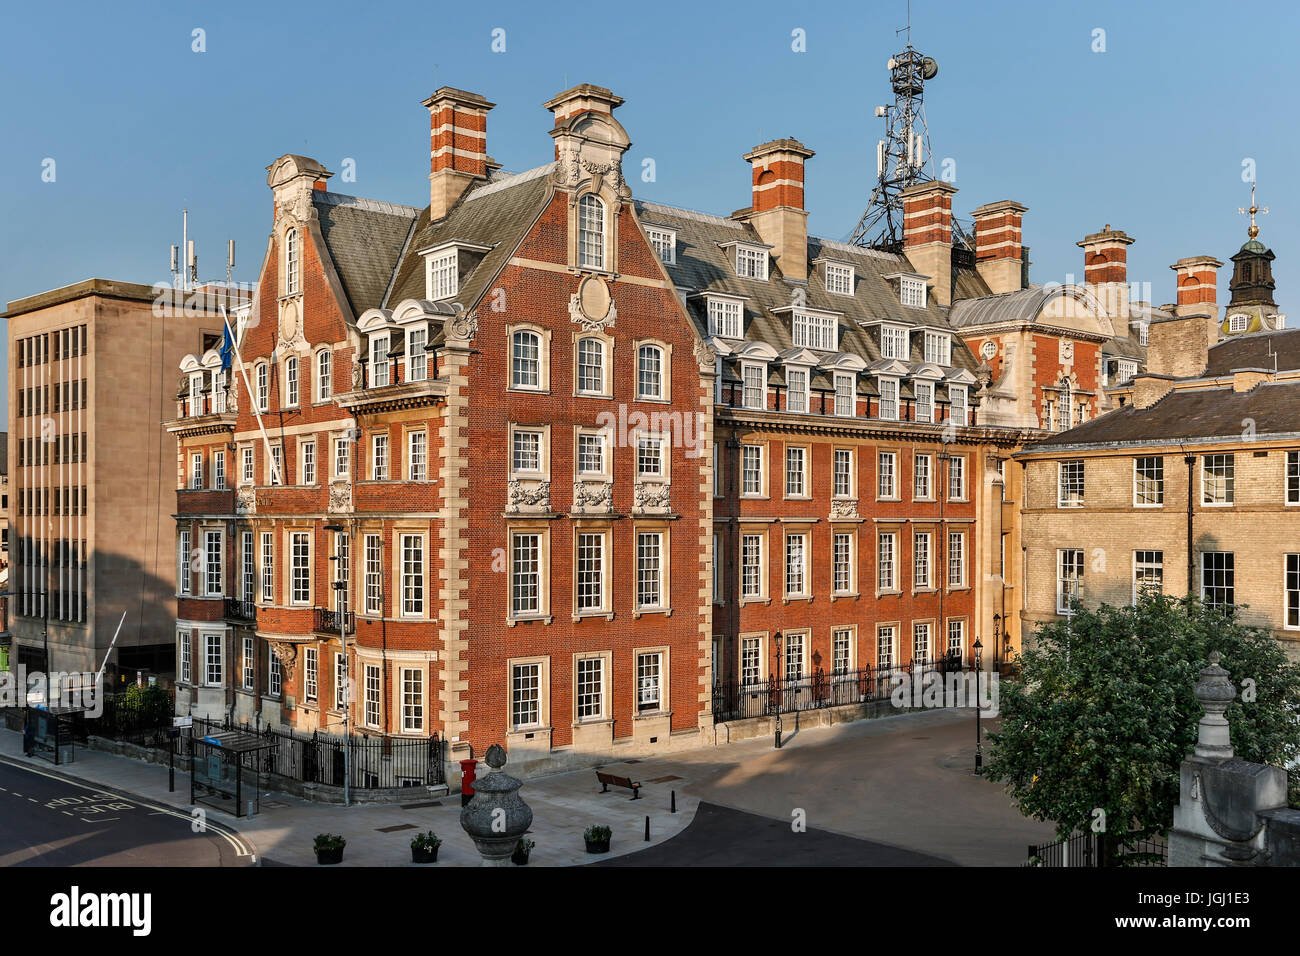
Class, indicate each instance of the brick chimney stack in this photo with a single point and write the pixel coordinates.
(927, 234)
(458, 146)
(1179, 347)
(999, 252)
(777, 213)
(1198, 289)
(580, 98)
(1105, 272)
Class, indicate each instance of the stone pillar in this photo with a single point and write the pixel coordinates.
(1218, 819)
(497, 816)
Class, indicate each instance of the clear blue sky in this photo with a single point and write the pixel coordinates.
(1148, 136)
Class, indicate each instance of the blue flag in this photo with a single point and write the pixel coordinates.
(227, 346)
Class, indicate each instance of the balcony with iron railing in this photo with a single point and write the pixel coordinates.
(201, 410)
(237, 610)
(378, 384)
(330, 621)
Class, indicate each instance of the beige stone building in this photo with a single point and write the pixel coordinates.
(91, 377)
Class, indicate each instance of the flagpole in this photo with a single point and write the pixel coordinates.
(252, 399)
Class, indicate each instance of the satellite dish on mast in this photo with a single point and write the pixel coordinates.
(929, 68)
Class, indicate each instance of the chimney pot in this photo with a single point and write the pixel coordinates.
(777, 213)
(458, 145)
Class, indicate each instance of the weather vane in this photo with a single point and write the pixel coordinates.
(1254, 208)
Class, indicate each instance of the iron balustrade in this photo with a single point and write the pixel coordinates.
(238, 610)
(330, 621)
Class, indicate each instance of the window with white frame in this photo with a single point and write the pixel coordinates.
(1149, 481)
(754, 378)
(525, 573)
(1218, 476)
(924, 401)
(889, 398)
(591, 571)
(815, 330)
(796, 386)
(443, 278)
(590, 679)
(379, 360)
(751, 566)
(845, 397)
(417, 356)
(525, 359)
(664, 243)
(591, 453)
(841, 650)
(340, 682)
(1238, 322)
(649, 569)
(412, 546)
(649, 456)
(885, 647)
(275, 469)
(196, 394)
(341, 464)
(795, 658)
(886, 484)
(725, 317)
(379, 457)
(842, 563)
(885, 555)
(921, 560)
(219, 470)
(248, 471)
(716, 565)
(1291, 586)
(893, 342)
(938, 348)
(526, 455)
(374, 583)
(268, 567)
(956, 559)
(842, 479)
(248, 567)
(751, 469)
(957, 638)
(291, 381)
(183, 643)
(649, 681)
(591, 232)
(299, 567)
(911, 292)
(1069, 578)
(650, 372)
(342, 570)
(212, 659)
(275, 674)
(839, 278)
(370, 712)
(417, 455)
(1148, 573)
(250, 662)
(263, 377)
(957, 478)
(324, 374)
(751, 661)
(308, 462)
(1218, 578)
(196, 470)
(796, 471)
(525, 695)
(291, 268)
(751, 262)
(921, 642)
(959, 408)
(796, 558)
(1069, 483)
(311, 673)
(412, 700)
(921, 478)
(212, 555)
(1293, 477)
(591, 366)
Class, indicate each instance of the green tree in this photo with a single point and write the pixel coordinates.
(1104, 712)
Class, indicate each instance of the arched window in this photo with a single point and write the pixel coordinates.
(324, 374)
(649, 372)
(263, 388)
(591, 232)
(291, 380)
(1067, 405)
(525, 359)
(591, 366)
(291, 262)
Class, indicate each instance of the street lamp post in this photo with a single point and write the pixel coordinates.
(777, 685)
(979, 751)
(341, 607)
(999, 646)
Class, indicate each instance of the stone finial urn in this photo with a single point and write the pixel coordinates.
(497, 816)
(1215, 692)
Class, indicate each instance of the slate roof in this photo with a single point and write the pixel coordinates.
(1256, 350)
(1019, 306)
(364, 238)
(1189, 414)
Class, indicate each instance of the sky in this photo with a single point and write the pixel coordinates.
(114, 117)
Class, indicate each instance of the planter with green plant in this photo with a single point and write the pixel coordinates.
(597, 838)
(329, 848)
(424, 847)
(522, 849)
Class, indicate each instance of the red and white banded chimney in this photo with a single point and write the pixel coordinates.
(927, 234)
(999, 250)
(777, 210)
(458, 146)
(1198, 290)
(1105, 273)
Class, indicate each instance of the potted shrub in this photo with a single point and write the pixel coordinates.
(424, 847)
(329, 848)
(597, 838)
(522, 849)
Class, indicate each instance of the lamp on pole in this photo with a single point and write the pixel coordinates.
(341, 610)
(776, 639)
(999, 649)
(979, 751)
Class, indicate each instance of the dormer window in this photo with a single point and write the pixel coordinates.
(839, 278)
(815, 331)
(924, 401)
(443, 279)
(664, 242)
(725, 317)
(889, 398)
(911, 292)
(196, 394)
(893, 342)
(845, 397)
(959, 412)
(1238, 322)
(938, 348)
(751, 262)
(1143, 333)
(591, 232)
(379, 360)
(417, 359)
(796, 386)
(754, 382)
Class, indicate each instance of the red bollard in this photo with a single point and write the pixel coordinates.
(467, 778)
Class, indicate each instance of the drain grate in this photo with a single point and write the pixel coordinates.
(421, 806)
(394, 829)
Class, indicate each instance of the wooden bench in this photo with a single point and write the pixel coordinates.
(606, 779)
